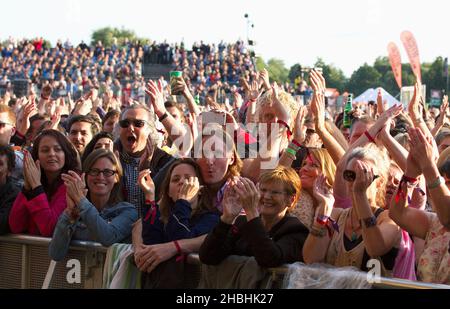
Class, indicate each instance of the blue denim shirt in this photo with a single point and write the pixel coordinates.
(111, 225)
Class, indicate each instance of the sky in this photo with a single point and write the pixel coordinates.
(345, 33)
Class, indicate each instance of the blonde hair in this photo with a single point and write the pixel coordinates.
(327, 165)
(285, 98)
(443, 157)
(10, 112)
(288, 177)
(381, 162)
(287, 101)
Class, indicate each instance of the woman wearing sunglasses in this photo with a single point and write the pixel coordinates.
(98, 212)
(353, 236)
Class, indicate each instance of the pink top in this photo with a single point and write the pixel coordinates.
(37, 216)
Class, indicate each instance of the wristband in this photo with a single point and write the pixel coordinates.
(288, 132)
(151, 214)
(296, 143)
(371, 139)
(318, 232)
(400, 193)
(435, 184)
(293, 146)
(164, 116)
(291, 151)
(181, 255)
(369, 222)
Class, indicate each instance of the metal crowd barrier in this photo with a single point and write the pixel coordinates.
(24, 262)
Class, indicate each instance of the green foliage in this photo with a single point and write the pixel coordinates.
(106, 36)
(334, 77)
(363, 78)
(275, 67)
(277, 70)
(260, 64)
(294, 72)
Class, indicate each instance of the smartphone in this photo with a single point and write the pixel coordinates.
(213, 117)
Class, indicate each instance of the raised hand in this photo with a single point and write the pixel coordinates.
(299, 133)
(32, 171)
(146, 184)
(318, 101)
(189, 190)
(264, 78)
(253, 91)
(75, 186)
(148, 153)
(230, 203)
(413, 106)
(28, 110)
(279, 109)
(421, 148)
(156, 93)
(364, 177)
(443, 112)
(380, 104)
(323, 193)
(248, 195)
(237, 100)
(181, 87)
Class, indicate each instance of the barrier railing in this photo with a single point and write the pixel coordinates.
(24, 262)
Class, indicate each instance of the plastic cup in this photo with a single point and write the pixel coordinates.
(174, 75)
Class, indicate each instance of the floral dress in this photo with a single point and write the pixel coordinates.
(434, 263)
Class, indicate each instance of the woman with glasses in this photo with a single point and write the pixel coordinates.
(266, 231)
(95, 207)
(353, 236)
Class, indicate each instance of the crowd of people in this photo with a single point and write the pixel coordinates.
(260, 176)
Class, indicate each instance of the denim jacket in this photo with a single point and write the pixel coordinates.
(111, 225)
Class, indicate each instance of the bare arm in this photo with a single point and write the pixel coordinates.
(175, 129)
(318, 108)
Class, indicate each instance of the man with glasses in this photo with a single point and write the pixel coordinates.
(138, 151)
(7, 130)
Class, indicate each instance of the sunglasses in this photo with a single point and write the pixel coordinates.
(350, 176)
(310, 131)
(137, 123)
(105, 172)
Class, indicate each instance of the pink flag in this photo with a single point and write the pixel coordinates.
(396, 63)
(410, 44)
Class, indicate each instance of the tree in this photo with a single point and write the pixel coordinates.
(363, 78)
(294, 72)
(277, 70)
(106, 36)
(335, 77)
(432, 75)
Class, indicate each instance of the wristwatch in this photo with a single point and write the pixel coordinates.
(440, 180)
(369, 222)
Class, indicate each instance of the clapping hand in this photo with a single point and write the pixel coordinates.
(146, 184)
(231, 204)
(32, 171)
(75, 186)
(323, 193)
